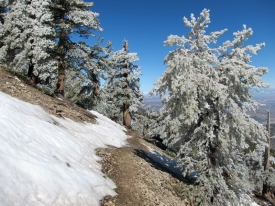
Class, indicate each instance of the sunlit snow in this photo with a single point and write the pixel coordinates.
(45, 160)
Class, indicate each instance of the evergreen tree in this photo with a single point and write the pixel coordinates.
(71, 17)
(145, 122)
(2, 15)
(27, 39)
(122, 86)
(206, 96)
(83, 81)
(2, 11)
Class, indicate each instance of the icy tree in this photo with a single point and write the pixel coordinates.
(27, 39)
(2, 11)
(146, 122)
(141, 122)
(71, 16)
(205, 92)
(122, 86)
(37, 38)
(83, 81)
(2, 15)
(268, 178)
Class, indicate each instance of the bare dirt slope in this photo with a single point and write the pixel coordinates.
(139, 180)
(57, 106)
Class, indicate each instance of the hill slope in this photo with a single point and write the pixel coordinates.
(139, 180)
(46, 160)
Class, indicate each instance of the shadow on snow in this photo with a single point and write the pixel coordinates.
(166, 164)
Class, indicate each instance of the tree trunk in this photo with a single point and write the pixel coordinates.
(34, 79)
(126, 116)
(265, 190)
(126, 112)
(61, 51)
(61, 84)
(61, 68)
(95, 87)
(145, 130)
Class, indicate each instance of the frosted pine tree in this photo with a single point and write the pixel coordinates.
(83, 81)
(71, 16)
(205, 92)
(147, 123)
(3, 5)
(27, 39)
(140, 122)
(122, 86)
(3, 10)
(236, 58)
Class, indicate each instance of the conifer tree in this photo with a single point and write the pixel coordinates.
(27, 39)
(146, 122)
(265, 190)
(36, 40)
(71, 16)
(122, 86)
(2, 15)
(206, 96)
(83, 81)
(2, 11)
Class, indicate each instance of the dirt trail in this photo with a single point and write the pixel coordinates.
(139, 180)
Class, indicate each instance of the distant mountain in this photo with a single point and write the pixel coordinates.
(266, 97)
(153, 101)
(263, 90)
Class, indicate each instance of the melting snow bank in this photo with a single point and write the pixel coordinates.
(45, 160)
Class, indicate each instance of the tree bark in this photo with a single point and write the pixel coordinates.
(61, 84)
(61, 50)
(34, 79)
(126, 116)
(126, 112)
(265, 190)
(95, 86)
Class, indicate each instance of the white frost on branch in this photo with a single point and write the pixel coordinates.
(206, 95)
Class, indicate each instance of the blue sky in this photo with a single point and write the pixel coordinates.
(146, 24)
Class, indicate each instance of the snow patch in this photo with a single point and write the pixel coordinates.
(45, 160)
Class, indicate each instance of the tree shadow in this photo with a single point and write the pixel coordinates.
(166, 164)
